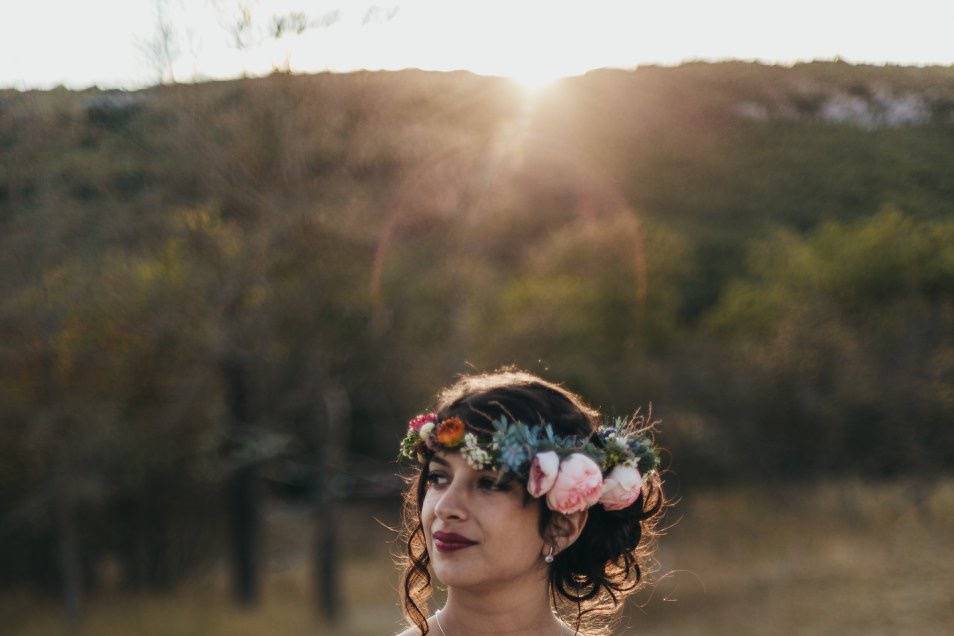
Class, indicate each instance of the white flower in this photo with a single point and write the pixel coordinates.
(426, 430)
(476, 457)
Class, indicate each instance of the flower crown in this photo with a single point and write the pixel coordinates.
(572, 471)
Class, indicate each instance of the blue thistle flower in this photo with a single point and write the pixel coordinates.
(513, 457)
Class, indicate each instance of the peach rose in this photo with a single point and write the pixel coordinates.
(450, 432)
(578, 485)
(621, 487)
(543, 473)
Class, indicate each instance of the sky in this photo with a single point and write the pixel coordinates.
(106, 43)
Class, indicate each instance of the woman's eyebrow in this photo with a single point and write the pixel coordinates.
(439, 460)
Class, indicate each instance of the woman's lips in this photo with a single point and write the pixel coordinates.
(449, 541)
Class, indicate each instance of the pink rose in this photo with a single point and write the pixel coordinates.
(621, 487)
(543, 473)
(578, 485)
(420, 420)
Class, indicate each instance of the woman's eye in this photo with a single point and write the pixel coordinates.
(487, 483)
(436, 479)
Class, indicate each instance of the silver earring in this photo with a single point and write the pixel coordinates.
(549, 557)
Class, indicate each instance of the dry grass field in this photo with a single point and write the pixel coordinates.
(837, 558)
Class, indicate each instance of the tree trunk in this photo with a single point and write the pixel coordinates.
(70, 569)
(330, 464)
(242, 492)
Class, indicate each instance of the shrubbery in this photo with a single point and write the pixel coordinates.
(780, 289)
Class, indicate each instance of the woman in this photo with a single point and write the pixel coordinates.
(527, 507)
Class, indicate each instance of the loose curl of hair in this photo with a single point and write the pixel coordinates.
(606, 563)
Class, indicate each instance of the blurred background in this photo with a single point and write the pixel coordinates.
(242, 243)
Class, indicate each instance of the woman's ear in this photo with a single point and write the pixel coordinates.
(565, 529)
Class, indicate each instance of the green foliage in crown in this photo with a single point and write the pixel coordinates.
(513, 444)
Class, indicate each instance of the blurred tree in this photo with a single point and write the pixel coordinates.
(281, 267)
(843, 337)
(162, 48)
(242, 20)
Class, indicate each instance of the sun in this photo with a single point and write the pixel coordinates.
(535, 80)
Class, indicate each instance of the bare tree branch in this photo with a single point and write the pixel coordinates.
(161, 50)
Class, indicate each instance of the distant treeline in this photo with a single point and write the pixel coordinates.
(197, 279)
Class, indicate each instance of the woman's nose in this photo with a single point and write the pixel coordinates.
(452, 503)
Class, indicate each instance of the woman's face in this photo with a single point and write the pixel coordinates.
(498, 538)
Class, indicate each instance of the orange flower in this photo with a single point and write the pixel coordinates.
(450, 432)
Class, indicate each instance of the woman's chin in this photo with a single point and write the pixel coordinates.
(455, 574)
(454, 579)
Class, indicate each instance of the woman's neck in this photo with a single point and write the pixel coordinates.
(511, 610)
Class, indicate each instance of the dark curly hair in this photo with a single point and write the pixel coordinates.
(608, 560)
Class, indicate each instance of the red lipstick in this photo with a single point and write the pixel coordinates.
(450, 541)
